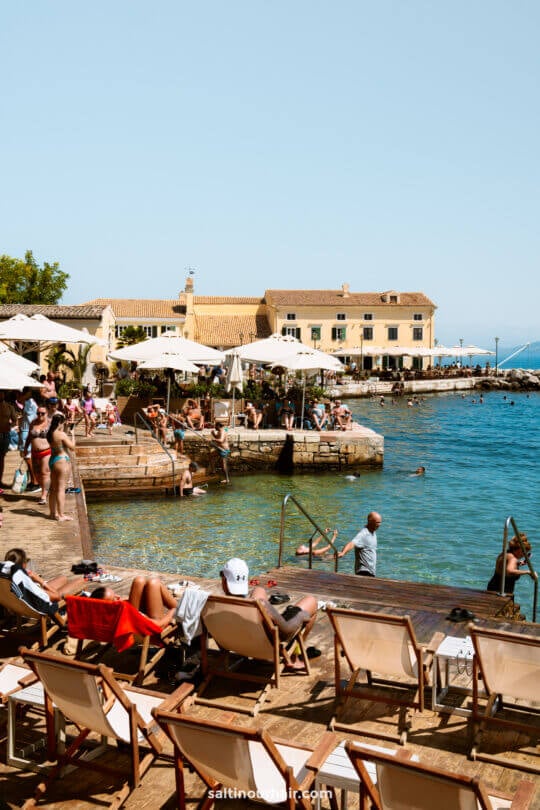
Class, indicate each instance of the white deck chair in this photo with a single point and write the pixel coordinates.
(241, 627)
(91, 697)
(402, 784)
(509, 665)
(382, 644)
(242, 762)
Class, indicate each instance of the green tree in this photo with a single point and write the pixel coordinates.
(131, 335)
(23, 281)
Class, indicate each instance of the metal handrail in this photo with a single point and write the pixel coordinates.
(532, 573)
(286, 499)
(149, 427)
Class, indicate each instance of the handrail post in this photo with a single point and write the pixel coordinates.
(166, 449)
(286, 499)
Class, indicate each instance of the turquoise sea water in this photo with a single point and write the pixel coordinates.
(444, 527)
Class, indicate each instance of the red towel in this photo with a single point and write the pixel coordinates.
(112, 622)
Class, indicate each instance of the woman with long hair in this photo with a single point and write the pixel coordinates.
(40, 450)
(59, 464)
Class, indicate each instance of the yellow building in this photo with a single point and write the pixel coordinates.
(371, 327)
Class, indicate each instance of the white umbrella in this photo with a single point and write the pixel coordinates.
(10, 358)
(234, 378)
(38, 329)
(266, 350)
(12, 379)
(169, 342)
(309, 360)
(169, 360)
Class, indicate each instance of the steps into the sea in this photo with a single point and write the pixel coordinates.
(112, 466)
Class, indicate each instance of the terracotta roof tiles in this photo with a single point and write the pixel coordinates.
(225, 330)
(143, 307)
(336, 298)
(81, 311)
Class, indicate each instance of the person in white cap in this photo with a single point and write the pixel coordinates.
(235, 582)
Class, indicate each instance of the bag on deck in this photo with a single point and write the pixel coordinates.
(20, 481)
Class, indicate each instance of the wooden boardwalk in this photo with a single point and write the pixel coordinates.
(302, 708)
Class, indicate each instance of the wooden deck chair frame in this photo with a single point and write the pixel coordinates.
(223, 756)
(89, 696)
(403, 640)
(145, 663)
(252, 634)
(48, 625)
(421, 787)
(498, 669)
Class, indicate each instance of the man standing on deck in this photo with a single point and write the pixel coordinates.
(365, 547)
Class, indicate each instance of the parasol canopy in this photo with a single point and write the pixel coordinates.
(38, 329)
(170, 343)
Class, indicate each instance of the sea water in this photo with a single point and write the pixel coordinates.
(443, 527)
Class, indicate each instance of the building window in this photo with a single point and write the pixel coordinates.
(394, 299)
(290, 316)
(341, 316)
(418, 316)
(168, 329)
(293, 331)
(150, 331)
(418, 333)
(118, 331)
(315, 333)
(339, 332)
(367, 333)
(392, 333)
(368, 316)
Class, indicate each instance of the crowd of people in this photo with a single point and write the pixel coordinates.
(40, 425)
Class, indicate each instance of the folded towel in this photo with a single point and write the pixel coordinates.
(188, 612)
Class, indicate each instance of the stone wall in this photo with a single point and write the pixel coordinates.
(296, 450)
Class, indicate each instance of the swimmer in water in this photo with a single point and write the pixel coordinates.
(419, 471)
(304, 549)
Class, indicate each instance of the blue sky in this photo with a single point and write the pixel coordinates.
(390, 145)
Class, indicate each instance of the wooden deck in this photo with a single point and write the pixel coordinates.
(303, 707)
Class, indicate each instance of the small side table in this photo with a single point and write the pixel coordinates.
(34, 698)
(338, 771)
(452, 670)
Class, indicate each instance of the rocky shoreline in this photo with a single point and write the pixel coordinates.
(516, 379)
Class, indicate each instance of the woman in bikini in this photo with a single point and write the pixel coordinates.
(59, 464)
(40, 449)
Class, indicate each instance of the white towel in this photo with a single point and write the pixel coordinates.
(188, 612)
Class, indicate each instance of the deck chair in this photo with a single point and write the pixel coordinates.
(400, 783)
(89, 696)
(241, 626)
(118, 624)
(47, 625)
(509, 666)
(238, 762)
(387, 645)
(221, 412)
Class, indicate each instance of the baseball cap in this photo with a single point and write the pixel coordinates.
(236, 574)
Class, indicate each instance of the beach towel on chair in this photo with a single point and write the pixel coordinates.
(115, 623)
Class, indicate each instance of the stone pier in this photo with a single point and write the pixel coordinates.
(296, 450)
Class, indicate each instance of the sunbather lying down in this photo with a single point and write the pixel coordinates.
(235, 582)
(149, 595)
(318, 552)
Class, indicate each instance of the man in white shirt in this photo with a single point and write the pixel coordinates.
(365, 547)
